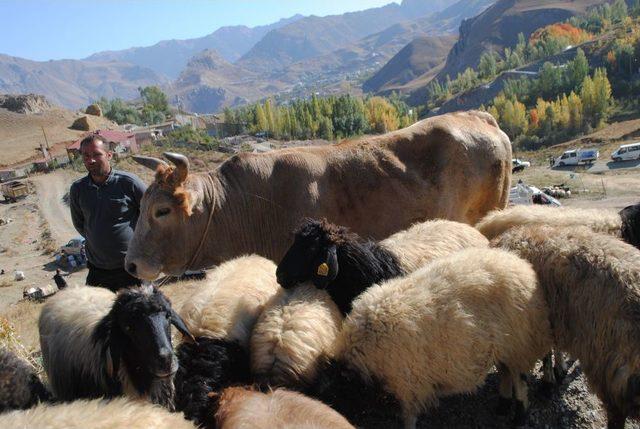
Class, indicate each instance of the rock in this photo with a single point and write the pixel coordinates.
(19, 275)
(24, 103)
(84, 123)
(94, 109)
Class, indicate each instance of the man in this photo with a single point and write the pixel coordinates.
(105, 206)
(60, 281)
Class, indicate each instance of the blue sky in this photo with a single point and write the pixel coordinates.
(55, 29)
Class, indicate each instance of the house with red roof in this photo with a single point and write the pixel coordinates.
(120, 143)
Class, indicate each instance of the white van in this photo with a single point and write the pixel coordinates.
(576, 157)
(627, 152)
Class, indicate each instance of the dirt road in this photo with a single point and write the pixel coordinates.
(51, 188)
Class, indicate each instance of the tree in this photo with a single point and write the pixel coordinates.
(577, 70)
(487, 67)
(619, 11)
(549, 80)
(602, 96)
(154, 99)
(381, 115)
(575, 113)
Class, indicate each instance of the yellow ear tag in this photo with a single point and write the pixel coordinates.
(323, 269)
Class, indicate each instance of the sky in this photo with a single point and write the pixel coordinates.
(55, 29)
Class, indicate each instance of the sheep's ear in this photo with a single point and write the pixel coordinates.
(114, 353)
(326, 269)
(177, 321)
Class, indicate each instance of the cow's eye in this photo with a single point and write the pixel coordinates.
(163, 212)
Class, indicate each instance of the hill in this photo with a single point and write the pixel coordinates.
(22, 133)
(414, 60)
(314, 36)
(231, 42)
(498, 27)
(74, 83)
(208, 85)
(209, 82)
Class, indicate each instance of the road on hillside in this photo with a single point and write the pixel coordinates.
(51, 188)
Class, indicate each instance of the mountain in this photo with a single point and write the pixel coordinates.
(498, 27)
(74, 83)
(209, 82)
(169, 57)
(314, 36)
(414, 60)
(207, 86)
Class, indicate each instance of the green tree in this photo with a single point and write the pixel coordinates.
(577, 70)
(154, 99)
(487, 68)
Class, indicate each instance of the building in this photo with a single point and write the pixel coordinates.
(121, 143)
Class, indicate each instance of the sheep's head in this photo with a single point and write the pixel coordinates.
(313, 255)
(138, 331)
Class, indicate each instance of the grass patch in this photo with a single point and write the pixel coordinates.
(10, 340)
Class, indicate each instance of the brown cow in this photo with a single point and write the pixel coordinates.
(455, 166)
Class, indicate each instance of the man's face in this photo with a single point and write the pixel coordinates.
(96, 157)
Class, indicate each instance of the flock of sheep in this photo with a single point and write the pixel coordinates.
(344, 324)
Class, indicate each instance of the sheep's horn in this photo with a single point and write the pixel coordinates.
(182, 164)
(149, 161)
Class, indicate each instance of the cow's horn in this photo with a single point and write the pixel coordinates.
(149, 162)
(181, 162)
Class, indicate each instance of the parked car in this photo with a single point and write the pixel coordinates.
(13, 191)
(577, 157)
(519, 165)
(627, 152)
(75, 246)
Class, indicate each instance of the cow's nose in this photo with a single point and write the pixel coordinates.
(131, 268)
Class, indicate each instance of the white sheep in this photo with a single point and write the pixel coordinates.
(592, 284)
(296, 332)
(440, 330)
(95, 414)
(599, 220)
(95, 343)
(345, 264)
(221, 315)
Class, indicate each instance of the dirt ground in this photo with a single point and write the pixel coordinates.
(42, 222)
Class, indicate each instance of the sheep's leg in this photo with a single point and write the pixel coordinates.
(548, 374)
(560, 368)
(505, 390)
(615, 419)
(522, 400)
(409, 417)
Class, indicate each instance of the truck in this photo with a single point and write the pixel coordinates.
(14, 190)
(577, 157)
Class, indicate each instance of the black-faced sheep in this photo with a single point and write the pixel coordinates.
(295, 333)
(96, 343)
(439, 330)
(624, 224)
(20, 386)
(243, 408)
(592, 285)
(95, 414)
(221, 316)
(345, 265)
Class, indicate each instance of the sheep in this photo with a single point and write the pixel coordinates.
(241, 408)
(592, 284)
(624, 224)
(295, 333)
(96, 343)
(96, 414)
(20, 386)
(345, 265)
(221, 317)
(438, 331)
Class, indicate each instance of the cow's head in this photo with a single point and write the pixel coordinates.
(173, 217)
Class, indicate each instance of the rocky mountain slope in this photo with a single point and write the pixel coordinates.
(170, 57)
(74, 83)
(499, 26)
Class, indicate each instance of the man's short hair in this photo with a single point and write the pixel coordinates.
(94, 137)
